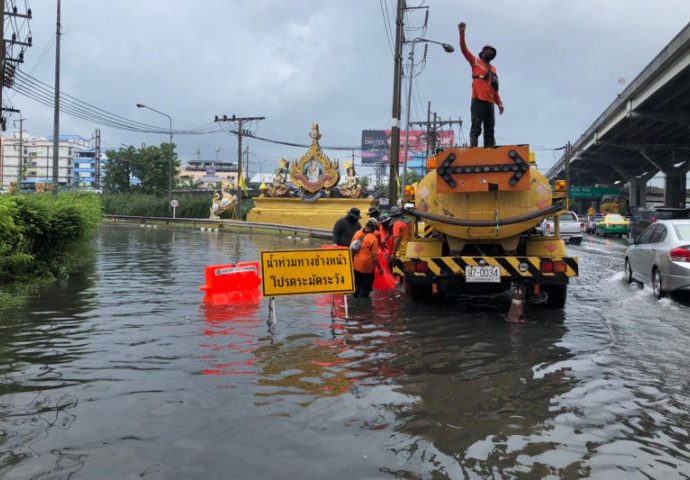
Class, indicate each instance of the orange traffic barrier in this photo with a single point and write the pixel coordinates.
(231, 283)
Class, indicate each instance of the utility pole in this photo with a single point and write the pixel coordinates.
(433, 127)
(394, 155)
(56, 113)
(97, 182)
(2, 64)
(568, 154)
(240, 133)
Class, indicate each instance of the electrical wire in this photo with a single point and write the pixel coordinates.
(386, 25)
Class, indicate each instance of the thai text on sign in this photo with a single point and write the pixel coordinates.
(294, 272)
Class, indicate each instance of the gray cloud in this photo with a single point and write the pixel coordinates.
(301, 61)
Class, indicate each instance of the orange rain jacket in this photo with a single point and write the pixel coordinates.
(481, 82)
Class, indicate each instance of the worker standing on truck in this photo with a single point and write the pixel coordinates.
(484, 91)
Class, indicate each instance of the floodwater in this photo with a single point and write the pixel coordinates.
(122, 373)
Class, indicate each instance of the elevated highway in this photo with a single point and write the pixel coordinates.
(645, 131)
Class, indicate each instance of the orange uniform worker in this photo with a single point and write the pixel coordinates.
(365, 258)
(484, 91)
(401, 234)
(386, 234)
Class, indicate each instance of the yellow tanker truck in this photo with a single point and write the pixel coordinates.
(483, 205)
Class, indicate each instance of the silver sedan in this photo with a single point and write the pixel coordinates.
(661, 256)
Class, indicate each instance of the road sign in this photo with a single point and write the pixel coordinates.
(296, 272)
(174, 203)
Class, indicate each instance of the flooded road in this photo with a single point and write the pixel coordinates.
(121, 373)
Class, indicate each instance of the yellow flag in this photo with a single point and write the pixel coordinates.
(243, 184)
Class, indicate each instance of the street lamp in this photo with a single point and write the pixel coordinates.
(170, 152)
(449, 49)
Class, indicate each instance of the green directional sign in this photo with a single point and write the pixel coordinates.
(592, 192)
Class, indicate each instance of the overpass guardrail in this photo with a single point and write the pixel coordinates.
(204, 222)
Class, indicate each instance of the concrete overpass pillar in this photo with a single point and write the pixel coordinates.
(674, 188)
(637, 186)
(674, 181)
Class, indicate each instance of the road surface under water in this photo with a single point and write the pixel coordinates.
(122, 373)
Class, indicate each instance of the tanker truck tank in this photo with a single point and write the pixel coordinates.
(483, 205)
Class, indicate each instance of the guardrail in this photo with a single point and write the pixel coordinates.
(201, 222)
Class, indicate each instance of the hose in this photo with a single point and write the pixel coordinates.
(485, 223)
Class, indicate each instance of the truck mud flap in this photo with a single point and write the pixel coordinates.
(510, 267)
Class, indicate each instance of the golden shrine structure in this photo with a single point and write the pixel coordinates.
(307, 193)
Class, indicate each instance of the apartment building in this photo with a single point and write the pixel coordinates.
(36, 159)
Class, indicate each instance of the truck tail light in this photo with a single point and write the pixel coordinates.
(418, 267)
(680, 254)
(557, 266)
(421, 267)
(548, 227)
(582, 227)
(560, 266)
(653, 219)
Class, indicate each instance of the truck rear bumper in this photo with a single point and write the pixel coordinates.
(540, 270)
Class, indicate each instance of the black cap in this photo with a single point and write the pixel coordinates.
(354, 212)
(373, 211)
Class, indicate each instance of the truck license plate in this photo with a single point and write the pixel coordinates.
(484, 274)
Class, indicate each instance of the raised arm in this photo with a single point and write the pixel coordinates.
(463, 46)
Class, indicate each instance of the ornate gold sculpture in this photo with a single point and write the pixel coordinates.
(352, 188)
(223, 201)
(315, 172)
(279, 187)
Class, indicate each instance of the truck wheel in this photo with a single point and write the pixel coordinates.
(557, 295)
(420, 292)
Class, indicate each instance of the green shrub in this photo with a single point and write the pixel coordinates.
(41, 235)
(141, 205)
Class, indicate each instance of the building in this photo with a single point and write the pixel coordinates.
(87, 172)
(209, 171)
(37, 158)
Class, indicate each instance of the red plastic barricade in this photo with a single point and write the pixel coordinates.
(230, 283)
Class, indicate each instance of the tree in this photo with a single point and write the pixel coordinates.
(150, 165)
(119, 170)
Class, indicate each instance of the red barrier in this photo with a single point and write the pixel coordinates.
(230, 283)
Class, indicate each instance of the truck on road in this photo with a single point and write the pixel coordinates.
(483, 205)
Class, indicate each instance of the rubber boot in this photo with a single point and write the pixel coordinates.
(474, 140)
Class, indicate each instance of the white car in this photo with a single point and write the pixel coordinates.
(571, 228)
(660, 256)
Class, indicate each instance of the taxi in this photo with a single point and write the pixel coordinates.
(612, 224)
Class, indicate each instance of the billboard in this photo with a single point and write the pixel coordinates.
(376, 144)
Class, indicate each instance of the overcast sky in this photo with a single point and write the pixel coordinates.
(296, 62)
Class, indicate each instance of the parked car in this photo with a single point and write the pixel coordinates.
(571, 228)
(661, 256)
(643, 217)
(612, 224)
(592, 220)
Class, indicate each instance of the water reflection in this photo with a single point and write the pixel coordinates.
(35, 345)
(123, 374)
